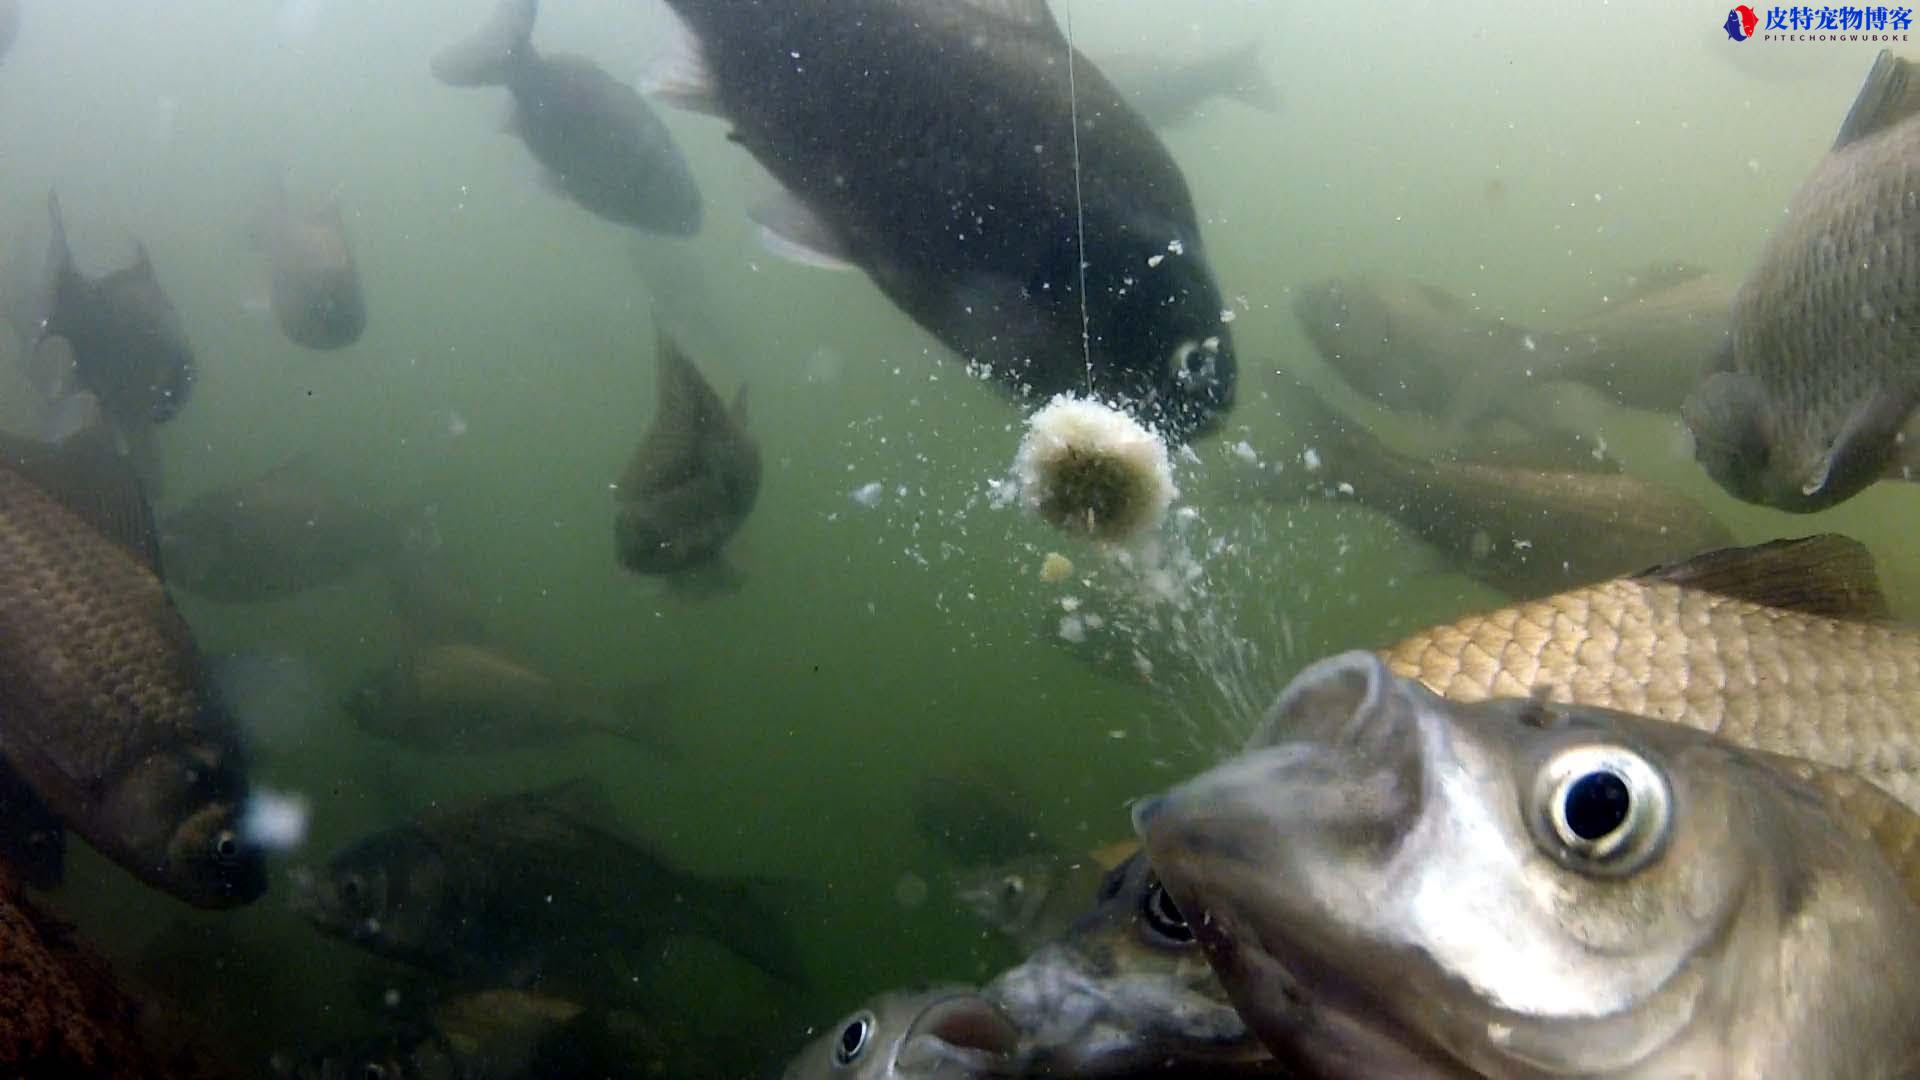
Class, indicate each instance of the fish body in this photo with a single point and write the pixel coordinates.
(289, 530)
(1391, 884)
(600, 143)
(1523, 530)
(1814, 397)
(1171, 92)
(105, 709)
(1125, 991)
(1416, 348)
(937, 1033)
(129, 346)
(931, 145)
(316, 295)
(533, 891)
(693, 479)
(1775, 648)
(463, 698)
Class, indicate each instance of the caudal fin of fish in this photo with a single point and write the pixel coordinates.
(1829, 575)
(637, 713)
(1248, 81)
(1890, 95)
(487, 58)
(746, 915)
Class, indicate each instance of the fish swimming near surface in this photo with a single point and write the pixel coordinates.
(694, 477)
(1173, 91)
(1784, 647)
(129, 346)
(316, 295)
(1416, 348)
(106, 711)
(456, 697)
(599, 141)
(1815, 395)
(286, 531)
(1125, 991)
(932, 145)
(1392, 884)
(535, 891)
(1524, 530)
(936, 1033)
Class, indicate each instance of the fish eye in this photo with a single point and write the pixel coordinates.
(226, 847)
(1193, 361)
(1163, 915)
(1602, 809)
(1013, 887)
(854, 1039)
(352, 888)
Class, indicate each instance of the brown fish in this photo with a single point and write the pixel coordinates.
(694, 477)
(1781, 647)
(105, 710)
(1816, 395)
(463, 698)
(1522, 530)
(316, 295)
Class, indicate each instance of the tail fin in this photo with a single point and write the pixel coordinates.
(487, 58)
(740, 913)
(1248, 81)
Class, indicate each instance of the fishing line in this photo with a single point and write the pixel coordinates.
(1079, 205)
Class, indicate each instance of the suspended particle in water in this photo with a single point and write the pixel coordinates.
(1055, 568)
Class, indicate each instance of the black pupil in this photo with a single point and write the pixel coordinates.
(225, 847)
(1165, 915)
(1597, 804)
(853, 1039)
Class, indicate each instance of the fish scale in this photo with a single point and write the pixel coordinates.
(1841, 693)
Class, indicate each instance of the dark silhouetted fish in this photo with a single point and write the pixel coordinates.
(1525, 531)
(1815, 396)
(694, 477)
(931, 143)
(316, 295)
(105, 710)
(282, 533)
(535, 890)
(130, 350)
(600, 143)
(462, 698)
(1170, 91)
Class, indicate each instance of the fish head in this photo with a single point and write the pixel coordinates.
(945, 1032)
(1379, 336)
(664, 535)
(179, 812)
(162, 376)
(1126, 990)
(1392, 884)
(388, 893)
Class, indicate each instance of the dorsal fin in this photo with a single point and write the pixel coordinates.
(1828, 575)
(89, 475)
(1889, 96)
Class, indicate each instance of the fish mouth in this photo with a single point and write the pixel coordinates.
(965, 1030)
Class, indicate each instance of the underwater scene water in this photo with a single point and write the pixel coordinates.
(458, 502)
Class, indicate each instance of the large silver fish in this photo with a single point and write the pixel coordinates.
(316, 296)
(601, 144)
(1814, 398)
(1392, 884)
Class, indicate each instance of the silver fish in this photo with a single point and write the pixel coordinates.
(939, 1033)
(316, 295)
(1389, 883)
(1814, 397)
